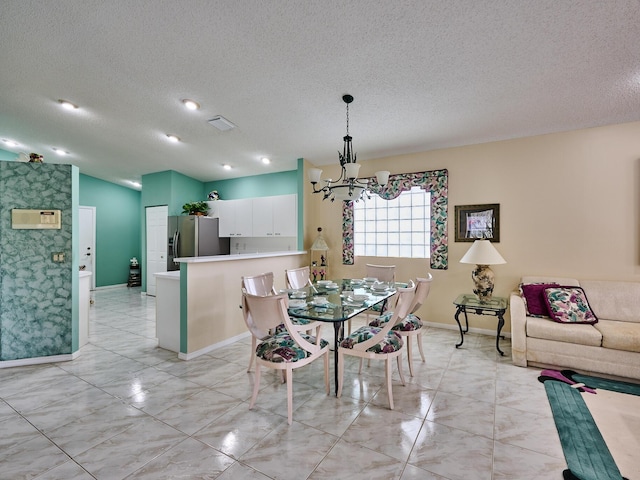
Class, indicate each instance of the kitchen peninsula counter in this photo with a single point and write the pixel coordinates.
(197, 308)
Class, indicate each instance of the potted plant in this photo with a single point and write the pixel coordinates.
(195, 208)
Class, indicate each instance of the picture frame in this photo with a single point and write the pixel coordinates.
(475, 222)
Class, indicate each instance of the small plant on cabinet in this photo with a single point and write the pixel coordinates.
(195, 208)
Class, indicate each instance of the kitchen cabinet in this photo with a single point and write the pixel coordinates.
(236, 218)
(275, 216)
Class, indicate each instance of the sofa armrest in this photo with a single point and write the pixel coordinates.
(518, 330)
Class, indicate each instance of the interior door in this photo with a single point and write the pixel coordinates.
(157, 219)
(87, 241)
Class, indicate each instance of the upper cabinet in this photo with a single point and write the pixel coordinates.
(275, 216)
(236, 217)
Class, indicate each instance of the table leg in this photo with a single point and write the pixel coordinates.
(337, 329)
(500, 325)
(461, 309)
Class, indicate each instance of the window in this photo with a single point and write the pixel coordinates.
(435, 182)
(399, 227)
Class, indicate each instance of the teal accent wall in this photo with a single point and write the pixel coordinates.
(165, 188)
(75, 258)
(117, 227)
(300, 179)
(184, 329)
(281, 183)
(38, 298)
(7, 155)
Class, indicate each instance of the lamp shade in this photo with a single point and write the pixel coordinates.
(351, 170)
(482, 252)
(346, 192)
(314, 175)
(382, 177)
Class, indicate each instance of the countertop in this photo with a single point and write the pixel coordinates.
(241, 256)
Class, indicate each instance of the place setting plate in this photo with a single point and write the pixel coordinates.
(297, 303)
(356, 300)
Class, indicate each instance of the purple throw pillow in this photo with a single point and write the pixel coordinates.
(534, 298)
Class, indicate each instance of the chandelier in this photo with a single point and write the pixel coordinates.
(348, 186)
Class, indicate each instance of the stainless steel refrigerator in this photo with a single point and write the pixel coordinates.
(193, 236)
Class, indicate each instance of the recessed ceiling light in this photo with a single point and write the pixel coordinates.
(173, 138)
(226, 166)
(67, 104)
(135, 184)
(266, 161)
(60, 152)
(10, 143)
(191, 104)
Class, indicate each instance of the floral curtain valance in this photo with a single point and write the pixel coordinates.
(435, 182)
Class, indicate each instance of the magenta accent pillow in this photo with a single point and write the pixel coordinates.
(569, 305)
(534, 301)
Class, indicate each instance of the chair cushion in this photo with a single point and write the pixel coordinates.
(410, 324)
(392, 342)
(281, 348)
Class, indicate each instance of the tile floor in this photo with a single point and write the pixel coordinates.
(127, 409)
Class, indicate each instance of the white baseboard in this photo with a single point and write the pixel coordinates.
(23, 362)
(110, 287)
(481, 331)
(211, 348)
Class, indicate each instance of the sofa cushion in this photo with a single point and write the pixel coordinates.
(547, 329)
(613, 300)
(619, 335)
(569, 305)
(533, 295)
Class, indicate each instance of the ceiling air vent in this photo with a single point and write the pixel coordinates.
(221, 123)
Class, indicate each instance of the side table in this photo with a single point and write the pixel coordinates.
(470, 302)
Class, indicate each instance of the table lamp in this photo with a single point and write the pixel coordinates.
(483, 254)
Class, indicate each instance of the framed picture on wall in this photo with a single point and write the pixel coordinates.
(475, 222)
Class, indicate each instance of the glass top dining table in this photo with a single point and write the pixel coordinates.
(345, 298)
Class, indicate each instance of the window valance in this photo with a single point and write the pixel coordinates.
(436, 183)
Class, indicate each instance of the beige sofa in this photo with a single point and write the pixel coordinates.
(611, 346)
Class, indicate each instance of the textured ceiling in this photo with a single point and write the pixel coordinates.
(425, 75)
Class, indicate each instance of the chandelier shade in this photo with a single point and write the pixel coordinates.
(348, 186)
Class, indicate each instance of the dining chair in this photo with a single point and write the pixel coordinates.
(379, 343)
(411, 325)
(285, 351)
(298, 277)
(261, 284)
(384, 273)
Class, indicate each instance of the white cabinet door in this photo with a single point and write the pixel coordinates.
(227, 223)
(285, 215)
(275, 216)
(263, 217)
(236, 218)
(244, 218)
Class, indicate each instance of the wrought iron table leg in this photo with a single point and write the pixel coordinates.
(337, 328)
(500, 325)
(461, 309)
